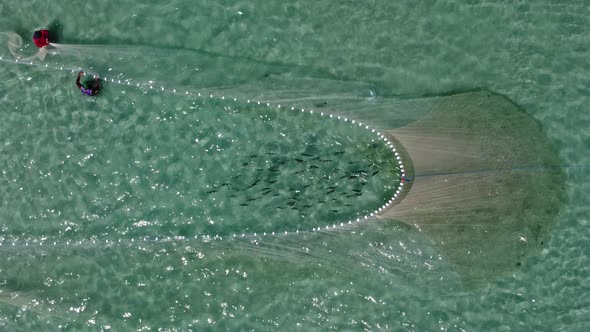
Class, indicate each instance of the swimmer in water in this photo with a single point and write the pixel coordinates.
(41, 38)
(90, 86)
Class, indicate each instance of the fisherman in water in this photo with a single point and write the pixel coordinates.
(41, 38)
(89, 86)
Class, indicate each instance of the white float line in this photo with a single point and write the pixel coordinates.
(37, 64)
(379, 135)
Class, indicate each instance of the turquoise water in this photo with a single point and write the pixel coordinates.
(104, 201)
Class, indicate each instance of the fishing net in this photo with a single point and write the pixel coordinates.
(482, 181)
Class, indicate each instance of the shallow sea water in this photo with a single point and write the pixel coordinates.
(109, 205)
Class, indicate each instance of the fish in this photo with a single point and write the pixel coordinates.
(253, 184)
